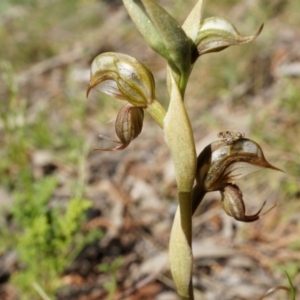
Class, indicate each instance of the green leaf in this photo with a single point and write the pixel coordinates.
(292, 288)
(143, 23)
(180, 140)
(162, 32)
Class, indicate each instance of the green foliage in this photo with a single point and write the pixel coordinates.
(46, 234)
(111, 269)
(290, 268)
(48, 239)
(292, 288)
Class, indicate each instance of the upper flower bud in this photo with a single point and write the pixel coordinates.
(128, 125)
(216, 34)
(122, 77)
(162, 33)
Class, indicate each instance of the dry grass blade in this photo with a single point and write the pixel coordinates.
(273, 289)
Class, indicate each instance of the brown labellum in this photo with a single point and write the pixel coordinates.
(233, 204)
(128, 125)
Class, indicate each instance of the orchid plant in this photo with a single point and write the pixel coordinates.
(221, 163)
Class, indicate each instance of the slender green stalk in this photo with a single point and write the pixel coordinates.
(157, 112)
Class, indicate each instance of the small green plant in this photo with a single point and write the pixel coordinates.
(111, 269)
(290, 290)
(45, 237)
(49, 238)
(221, 163)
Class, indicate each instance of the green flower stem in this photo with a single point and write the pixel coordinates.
(157, 112)
(181, 80)
(183, 83)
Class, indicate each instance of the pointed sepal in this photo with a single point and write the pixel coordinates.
(216, 34)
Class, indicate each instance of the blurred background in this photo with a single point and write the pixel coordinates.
(82, 224)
